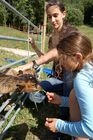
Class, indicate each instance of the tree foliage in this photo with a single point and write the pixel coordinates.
(3, 15)
(85, 6)
(88, 12)
(75, 16)
(34, 11)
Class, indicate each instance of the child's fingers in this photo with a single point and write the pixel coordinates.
(50, 96)
(49, 120)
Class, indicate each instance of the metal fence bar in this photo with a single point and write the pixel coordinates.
(5, 104)
(14, 38)
(18, 13)
(12, 119)
(9, 65)
(10, 111)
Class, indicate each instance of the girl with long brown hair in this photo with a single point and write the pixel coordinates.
(75, 54)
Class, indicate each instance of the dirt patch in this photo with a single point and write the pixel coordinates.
(18, 51)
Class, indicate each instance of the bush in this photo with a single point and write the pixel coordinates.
(3, 15)
(80, 5)
(75, 16)
(88, 12)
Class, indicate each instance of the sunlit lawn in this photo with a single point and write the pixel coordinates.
(88, 31)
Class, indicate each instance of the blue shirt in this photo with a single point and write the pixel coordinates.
(83, 86)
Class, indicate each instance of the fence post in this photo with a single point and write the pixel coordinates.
(44, 28)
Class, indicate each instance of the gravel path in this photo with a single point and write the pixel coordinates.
(18, 51)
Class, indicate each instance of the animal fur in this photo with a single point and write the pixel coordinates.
(21, 83)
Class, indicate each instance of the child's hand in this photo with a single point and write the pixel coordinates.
(50, 124)
(53, 98)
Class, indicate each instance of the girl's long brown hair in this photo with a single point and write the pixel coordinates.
(76, 42)
(66, 29)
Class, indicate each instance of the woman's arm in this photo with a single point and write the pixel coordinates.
(44, 59)
(48, 57)
(36, 49)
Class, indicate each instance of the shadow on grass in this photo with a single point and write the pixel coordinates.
(44, 110)
(34, 128)
(17, 132)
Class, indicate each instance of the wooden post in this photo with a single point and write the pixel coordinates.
(44, 29)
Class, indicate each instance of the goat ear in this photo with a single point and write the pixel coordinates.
(20, 72)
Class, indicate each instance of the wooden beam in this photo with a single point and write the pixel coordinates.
(44, 29)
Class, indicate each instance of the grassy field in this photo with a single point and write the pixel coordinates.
(5, 31)
(88, 31)
(15, 33)
(29, 124)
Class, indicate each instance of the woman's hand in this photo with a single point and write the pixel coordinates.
(19, 68)
(24, 67)
(53, 98)
(32, 42)
(50, 124)
(12, 72)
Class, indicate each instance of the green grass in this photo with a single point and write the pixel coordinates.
(29, 124)
(6, 31)
(88, 31)
(6, 54)
(12, 32)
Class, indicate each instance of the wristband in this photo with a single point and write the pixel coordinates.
(35, 65)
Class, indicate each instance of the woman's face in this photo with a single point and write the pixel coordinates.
(56, 17)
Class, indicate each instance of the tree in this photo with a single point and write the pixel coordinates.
(33, 10)
(88, 12)
(75, 16)
(3, 15)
